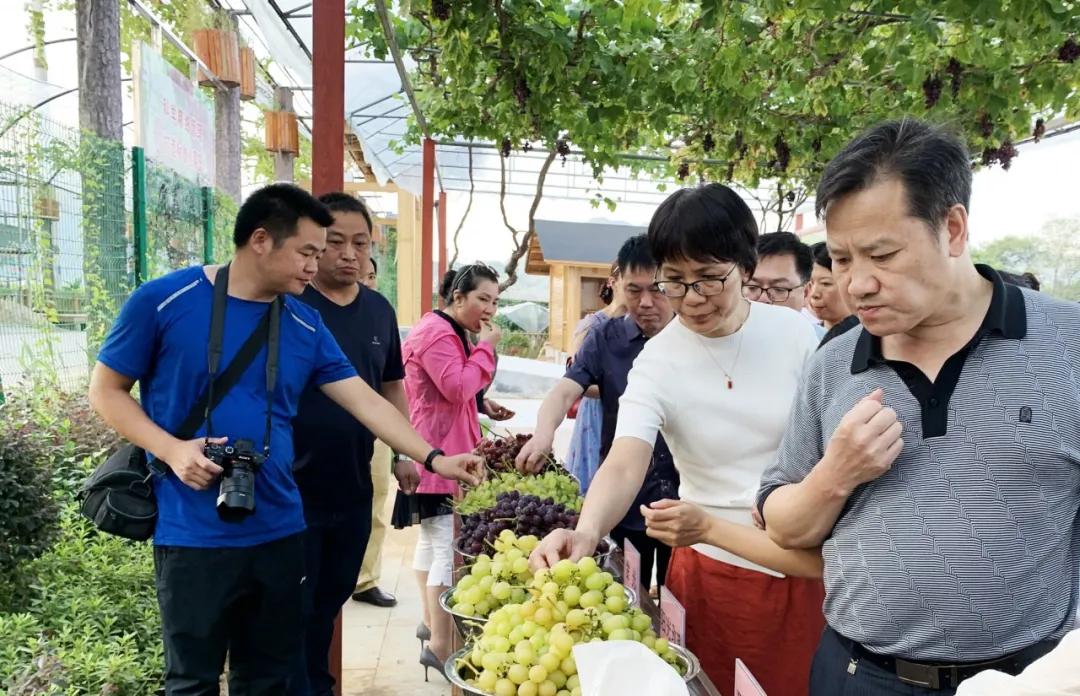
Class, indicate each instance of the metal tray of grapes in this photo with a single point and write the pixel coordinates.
(686, 659)
(470, 626)
(603, 550)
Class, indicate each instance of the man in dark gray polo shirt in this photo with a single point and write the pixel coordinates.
(934, 454)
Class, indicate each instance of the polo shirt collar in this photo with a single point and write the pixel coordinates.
(1007, 317)
(631, 330)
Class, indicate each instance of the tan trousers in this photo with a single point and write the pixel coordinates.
(380, 481)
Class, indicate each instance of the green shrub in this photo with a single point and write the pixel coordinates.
(28, 516)
(92, 625)
(67, 436)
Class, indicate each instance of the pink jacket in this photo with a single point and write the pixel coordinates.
(442, 385)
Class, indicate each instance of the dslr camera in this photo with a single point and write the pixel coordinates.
(236, 494)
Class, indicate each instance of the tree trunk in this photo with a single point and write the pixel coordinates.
(284, 169)
(227, 141)
(98, 55)
(105, 263)
(522, 248)
(227, 138)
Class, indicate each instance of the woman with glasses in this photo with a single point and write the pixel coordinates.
(444, 378)
(718, 384)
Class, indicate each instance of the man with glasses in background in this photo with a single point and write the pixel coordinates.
(782, 276)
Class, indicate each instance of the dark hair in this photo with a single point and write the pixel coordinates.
(277, 208)
(374, 266)
(708, 222)
(339, 202)
(933, 165)
(465, 280)
(786, 243)
(1024, 280)
(821, 255)
(607, 293)
(634, 254)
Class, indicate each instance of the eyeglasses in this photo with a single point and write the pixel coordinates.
(704, 287)
(754, 292)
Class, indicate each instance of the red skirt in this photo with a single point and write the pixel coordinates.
(772, 624)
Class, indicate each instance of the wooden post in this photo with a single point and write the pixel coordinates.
(328, 78)
(284, 169)
(427, 200)
(328, 152)
(444, 252)
(408, 260)
(227, 134)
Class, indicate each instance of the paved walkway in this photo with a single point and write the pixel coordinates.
(380, 653)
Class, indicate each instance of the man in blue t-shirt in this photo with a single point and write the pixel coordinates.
(235, 586)
(334, 451)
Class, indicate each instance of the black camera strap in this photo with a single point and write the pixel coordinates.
(267, 332)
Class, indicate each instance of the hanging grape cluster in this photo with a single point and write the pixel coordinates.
(521, 91)
(1069, 51)
(506, 147)
(931, 88)
(683, 171)
(562, 147)
(1039, 131)
(441, 9)
(707, 143)
(783, 154)
(986, 126)
(1003, 155)
(956, 75)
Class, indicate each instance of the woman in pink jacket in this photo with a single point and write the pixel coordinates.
(445, 376)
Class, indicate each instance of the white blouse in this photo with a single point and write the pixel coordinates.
(721, 439)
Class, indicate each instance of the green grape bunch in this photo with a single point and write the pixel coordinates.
(526, 648)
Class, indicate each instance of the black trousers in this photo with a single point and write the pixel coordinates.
(334, 546)
(651, 551)
(242, 601)
(830, 674)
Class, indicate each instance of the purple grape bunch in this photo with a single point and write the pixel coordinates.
(522, 514)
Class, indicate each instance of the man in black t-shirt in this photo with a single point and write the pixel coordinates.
(333, 452)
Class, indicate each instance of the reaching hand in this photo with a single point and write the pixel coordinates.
(560, 544)
(467, 468)
(188, 461)
(496, 411)
(534, 454)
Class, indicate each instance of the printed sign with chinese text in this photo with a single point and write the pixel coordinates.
(672, 617)
(174, 119)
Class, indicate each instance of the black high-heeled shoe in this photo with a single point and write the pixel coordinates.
(423, 634)
(429, 661)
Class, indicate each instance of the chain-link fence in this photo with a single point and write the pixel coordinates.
(81, 222)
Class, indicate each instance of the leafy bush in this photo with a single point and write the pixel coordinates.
(92, 625)
(28, 515)
(65, 434)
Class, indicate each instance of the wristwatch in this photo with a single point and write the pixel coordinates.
(431, 459)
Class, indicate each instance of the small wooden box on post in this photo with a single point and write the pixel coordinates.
(247, 73)
(281, 133)
(220, 51)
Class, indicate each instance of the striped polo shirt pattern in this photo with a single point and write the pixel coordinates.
(969, 547)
